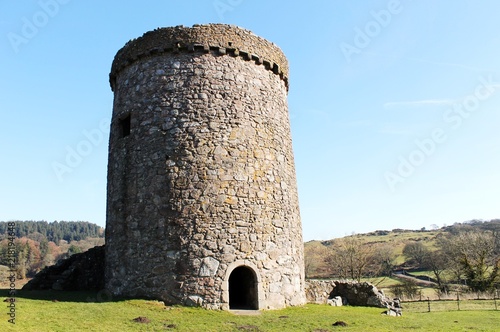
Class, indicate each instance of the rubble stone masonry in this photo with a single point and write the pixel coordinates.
(201, 177)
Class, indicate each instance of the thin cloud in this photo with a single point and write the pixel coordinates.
(355, 124)
(403, 128)
(418, 103)
(437, 63)
(396, 131)
(448, 64)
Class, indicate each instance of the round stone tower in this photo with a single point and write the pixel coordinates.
(202, 205)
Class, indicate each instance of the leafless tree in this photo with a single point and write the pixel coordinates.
(438, 263)
(417, 252)
(381, 262)
(314, 259)
(349, 258)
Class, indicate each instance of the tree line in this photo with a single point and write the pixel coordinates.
(54, 231)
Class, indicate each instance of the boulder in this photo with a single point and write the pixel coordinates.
(394, 312)
(335, 301)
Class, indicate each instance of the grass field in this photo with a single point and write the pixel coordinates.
(78, 311)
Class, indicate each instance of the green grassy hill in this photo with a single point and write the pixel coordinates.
(317, 253)
(396, 239)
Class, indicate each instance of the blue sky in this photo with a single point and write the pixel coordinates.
(394, 105)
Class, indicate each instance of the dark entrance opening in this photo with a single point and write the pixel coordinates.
(243, 289)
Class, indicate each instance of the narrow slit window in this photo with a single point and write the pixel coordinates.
(125, 126)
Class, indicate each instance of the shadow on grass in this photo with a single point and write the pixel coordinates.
(64, 296)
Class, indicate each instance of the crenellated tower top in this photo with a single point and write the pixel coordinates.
(220, 39)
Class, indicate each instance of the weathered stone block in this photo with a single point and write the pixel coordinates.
(209, 267)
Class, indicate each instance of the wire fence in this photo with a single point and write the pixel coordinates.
(457, 304)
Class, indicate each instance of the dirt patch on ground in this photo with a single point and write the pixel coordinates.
(251, 328)
(141, 319)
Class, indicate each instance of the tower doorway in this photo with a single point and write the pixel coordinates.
(243, 289)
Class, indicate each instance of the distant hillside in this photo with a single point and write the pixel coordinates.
(317, 252)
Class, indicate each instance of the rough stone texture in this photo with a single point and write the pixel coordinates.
(84, 271)
(352, 293)
(219, 38)
(205, 180)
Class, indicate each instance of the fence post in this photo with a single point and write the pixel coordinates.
(458, 301)
(428, 304)
(495, 299)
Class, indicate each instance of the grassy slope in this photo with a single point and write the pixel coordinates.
(396, 240)
(39, 313)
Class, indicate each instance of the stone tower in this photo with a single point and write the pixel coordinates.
(202, 205)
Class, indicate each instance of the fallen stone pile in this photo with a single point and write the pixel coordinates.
(344, 292)
(84, 271)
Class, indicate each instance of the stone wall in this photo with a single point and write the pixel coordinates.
(202, 179)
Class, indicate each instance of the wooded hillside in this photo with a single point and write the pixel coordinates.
(37, 244)
(53, 231)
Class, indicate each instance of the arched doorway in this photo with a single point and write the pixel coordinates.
(243, 289)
